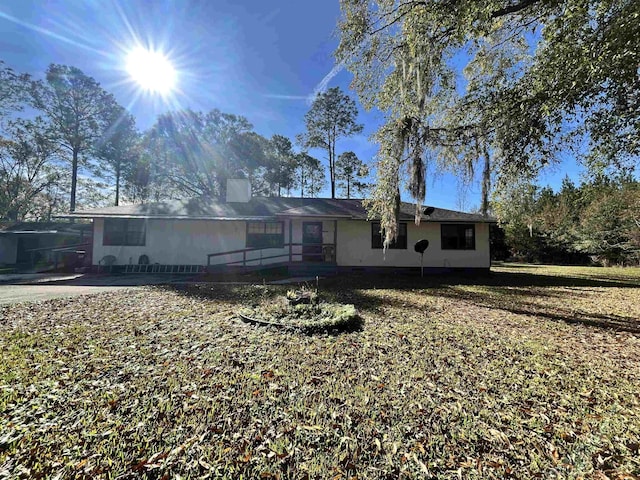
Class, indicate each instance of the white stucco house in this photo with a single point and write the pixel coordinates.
(298, 232)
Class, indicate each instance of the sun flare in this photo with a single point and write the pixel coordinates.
(151, 70)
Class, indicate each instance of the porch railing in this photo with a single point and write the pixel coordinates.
(327, 254)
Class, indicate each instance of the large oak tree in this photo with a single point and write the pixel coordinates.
(519, 80)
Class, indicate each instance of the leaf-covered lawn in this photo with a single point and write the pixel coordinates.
(533, 372)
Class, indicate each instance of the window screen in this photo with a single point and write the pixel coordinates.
(458, 237)
(124, 232)
(265, 234)
(377, 239)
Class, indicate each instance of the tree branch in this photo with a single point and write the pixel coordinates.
(411, 6)
(524, 4)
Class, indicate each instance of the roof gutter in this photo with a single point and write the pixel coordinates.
(160, 217)
(29, 232)
(313, 215)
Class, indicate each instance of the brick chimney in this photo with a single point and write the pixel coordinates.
(238, 190)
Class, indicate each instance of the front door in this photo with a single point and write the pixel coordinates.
(312, 241)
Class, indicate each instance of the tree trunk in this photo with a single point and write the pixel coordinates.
(222, 188)
(331, 148)
(333, 187)
(332, 177)
(117, 185)
(74, 180)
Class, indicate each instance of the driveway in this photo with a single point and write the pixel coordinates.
(35, 287)
(34, 293)
(32, 288)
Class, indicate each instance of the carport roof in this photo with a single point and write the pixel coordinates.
(33, 228)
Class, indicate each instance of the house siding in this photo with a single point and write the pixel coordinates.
(354, 248)
(185, 242)
(188, 242)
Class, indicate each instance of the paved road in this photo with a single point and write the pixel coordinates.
(31, 288)
(34, 293)
(36, 287)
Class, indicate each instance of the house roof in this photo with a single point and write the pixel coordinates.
(265, 208)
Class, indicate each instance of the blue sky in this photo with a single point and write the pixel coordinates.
(261, 59)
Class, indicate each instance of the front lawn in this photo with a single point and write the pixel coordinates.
(532, 372)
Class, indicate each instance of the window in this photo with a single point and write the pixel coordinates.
(265, 234)
(124, 231)
(458, 237)
(376, 236)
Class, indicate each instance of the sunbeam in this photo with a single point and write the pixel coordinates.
(151, 70)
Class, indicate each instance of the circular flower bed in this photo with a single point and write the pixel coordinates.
(308, 315)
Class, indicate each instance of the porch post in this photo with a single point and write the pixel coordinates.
(290, 240)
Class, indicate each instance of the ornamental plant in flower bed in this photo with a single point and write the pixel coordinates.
(303, 311)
